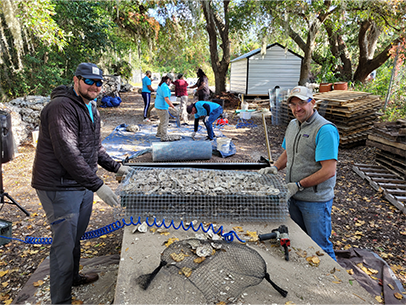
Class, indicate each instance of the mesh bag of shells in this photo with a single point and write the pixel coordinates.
(220, 270)
(203, 194)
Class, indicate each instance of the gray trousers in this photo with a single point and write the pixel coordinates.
(163, 122)
(68, 213)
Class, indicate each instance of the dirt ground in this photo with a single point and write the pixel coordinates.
(361, 216)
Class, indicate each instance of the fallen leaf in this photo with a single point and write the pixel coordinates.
(171, 241)
(350, 271)
(238, 229)
(379, 299)
(319, 253)
(301, 253)
(338, 279)
(126, 249)
(103, 236)
(398, 295)
(313, 261)
(77, 302)
(4, 284)
(337, 282)
(39, 283)
(8, 302)
(391, 287)
(253, 235)
(3, 273)
(373, 271)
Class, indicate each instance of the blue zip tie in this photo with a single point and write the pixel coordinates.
(114, 226)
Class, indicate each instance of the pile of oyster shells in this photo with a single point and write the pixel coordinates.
(187, 182)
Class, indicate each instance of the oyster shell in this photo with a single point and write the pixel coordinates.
(143, 227)
(204, 250)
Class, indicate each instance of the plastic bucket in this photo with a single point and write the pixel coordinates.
(223, 144)
(246, 115)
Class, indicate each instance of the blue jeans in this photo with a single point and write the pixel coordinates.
(315, 219)
(68, 213)
(213, 116)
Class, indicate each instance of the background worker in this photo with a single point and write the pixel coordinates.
(64, 174)
(181, 94)
(162, 104)
(202, 85)
(310, 157)
(209, 111)
(146, 94)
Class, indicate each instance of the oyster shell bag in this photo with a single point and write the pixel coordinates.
(221, 270)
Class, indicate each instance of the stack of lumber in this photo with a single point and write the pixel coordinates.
(353, 112)
(390, 140)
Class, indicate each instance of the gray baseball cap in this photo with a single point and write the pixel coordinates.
(89, 70)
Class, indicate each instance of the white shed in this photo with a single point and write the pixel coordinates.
(254, 74)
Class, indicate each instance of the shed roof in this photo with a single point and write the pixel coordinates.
(256, 51)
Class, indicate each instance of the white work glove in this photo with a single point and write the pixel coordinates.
(273, 170)
(292, 189)
(123, 171)
(206, 119)
(106, 194)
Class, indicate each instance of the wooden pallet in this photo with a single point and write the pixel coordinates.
(394, 163)
(381, 179)
(342, 97)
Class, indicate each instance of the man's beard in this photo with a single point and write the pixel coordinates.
(86, 95)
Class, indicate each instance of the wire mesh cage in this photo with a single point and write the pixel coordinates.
(203, 194)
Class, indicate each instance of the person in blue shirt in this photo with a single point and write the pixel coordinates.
(209, 111)
(146, 94)
(162, 104)
(310, 158)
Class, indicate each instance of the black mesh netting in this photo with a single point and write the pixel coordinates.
(221, 270)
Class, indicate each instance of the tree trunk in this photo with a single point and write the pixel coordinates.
(339, 49)
(367, 40)
(308, 52)
(214, 27)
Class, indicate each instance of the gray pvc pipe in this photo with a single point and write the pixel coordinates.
(181, 150)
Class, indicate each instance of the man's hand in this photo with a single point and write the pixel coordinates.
(106, 194)
(206, 119)
(123, 171)
(193, 135)
(273, 170)
(292, 189)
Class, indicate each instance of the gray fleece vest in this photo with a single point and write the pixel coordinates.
(301, 163)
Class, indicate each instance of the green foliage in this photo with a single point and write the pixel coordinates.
(396, 106)
(122, 68)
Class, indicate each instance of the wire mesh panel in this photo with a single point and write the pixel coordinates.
(201, 194)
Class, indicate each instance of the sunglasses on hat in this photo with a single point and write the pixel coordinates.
(90, 82)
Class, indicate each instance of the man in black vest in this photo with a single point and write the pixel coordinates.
(64, 174)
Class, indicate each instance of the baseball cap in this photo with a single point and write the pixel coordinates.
(190, 108)
(301, 92)
(169, 76)
(89, 70)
